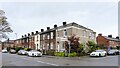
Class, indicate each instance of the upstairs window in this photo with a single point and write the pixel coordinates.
(65, 33)
(51, 35)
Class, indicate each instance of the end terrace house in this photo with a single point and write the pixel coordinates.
(55, 38)
(108, 41)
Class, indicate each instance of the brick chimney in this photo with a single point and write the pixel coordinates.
(42, 30)
(48, 28)
(28, 34)
(100, 34)
(64, 23)
(25, 35)
(117, 37)
(32, 33)
(110, 36)
(36, 32)
(22, 36)
(55, 26)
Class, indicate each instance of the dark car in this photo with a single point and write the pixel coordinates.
(12, 51)
(113, 52)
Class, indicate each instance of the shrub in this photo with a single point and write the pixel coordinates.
(50, 52)
(60, 54)
(8, 48)
(27, 49)
(72, 54)
(83, 53)
(18, 48)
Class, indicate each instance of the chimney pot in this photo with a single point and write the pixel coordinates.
(100, 34)
(117, 37)
(42, 30)
(55, 26)
(36, 32)
(32, 33)
(25, 35)
(64, 23)
(110, 36)
(48, 28)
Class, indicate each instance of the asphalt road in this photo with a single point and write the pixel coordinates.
(19, 60)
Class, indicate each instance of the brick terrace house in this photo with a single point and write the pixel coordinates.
(10, 43)
(37, 41)
(27, 41)
(48, 38)
(55, 38)
(108, 41)
(31, 40)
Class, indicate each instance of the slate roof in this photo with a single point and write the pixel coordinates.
(112, 39)
(67, 25)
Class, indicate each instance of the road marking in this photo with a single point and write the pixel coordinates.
(48, 63)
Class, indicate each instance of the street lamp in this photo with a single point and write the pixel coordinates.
(69, 46)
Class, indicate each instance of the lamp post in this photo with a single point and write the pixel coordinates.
(69, 46)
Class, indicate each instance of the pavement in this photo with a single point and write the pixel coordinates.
(20, 60)
(0, 59)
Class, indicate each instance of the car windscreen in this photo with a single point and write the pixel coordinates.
(99, 51)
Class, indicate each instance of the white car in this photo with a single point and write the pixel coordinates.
(98, 53)
(4, 50)
(22, 52)
(34, 53)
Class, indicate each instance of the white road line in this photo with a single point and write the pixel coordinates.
(48, 63)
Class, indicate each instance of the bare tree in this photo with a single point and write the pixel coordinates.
(4, 25)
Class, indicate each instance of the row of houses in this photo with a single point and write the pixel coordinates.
(54, 38)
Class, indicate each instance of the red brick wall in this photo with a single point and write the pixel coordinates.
(102, 41)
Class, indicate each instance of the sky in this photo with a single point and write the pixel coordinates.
(27, 17)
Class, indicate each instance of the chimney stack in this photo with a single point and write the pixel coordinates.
(100, 34)
(117, 37)
(28, 34)
(42, 30)
(48, 28)
(32, 33)
(64, 23)
(22, 36)
(36, 32)
(55, 26)
(25, 35)
(110, 36)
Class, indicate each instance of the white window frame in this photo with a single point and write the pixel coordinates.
(51, 45)
(51, 35)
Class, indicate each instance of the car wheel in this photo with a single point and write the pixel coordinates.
(99, 54)
(105, 54)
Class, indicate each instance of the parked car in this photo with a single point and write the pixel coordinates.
(22, 52)
(12, 51)
(4, 50)
(34, 53)
(98, 53)
(113, 52)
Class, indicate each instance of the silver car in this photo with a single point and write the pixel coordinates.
(12, 51)
(22, 52)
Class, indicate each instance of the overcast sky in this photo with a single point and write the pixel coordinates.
(27, 17)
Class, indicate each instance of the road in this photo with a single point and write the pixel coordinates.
(20, 60)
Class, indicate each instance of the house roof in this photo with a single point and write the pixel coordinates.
(112, 39)
(67, 25)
